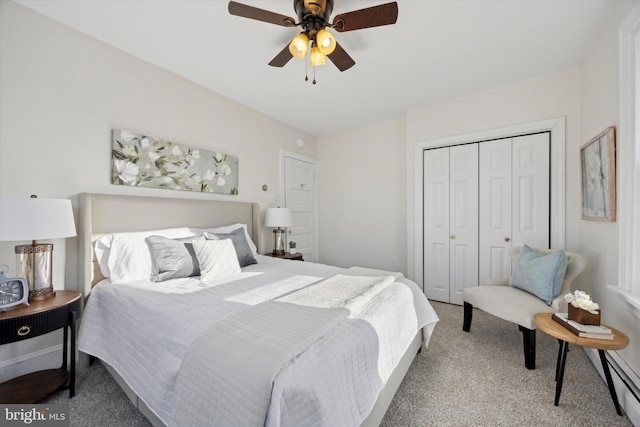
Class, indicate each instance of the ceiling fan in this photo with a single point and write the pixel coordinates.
(313, 18)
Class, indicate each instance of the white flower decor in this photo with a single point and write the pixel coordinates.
(126, 172)
(581, 299)
(145, 161)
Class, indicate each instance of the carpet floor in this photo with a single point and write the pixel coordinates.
(462, 379)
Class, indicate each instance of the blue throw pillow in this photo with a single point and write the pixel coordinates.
(540, 274)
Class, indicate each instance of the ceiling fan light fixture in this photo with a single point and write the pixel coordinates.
(299, 45)
(314, 17)
(316, 57)
(326, 42)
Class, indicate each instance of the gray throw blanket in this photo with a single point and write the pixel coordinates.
(228, 372)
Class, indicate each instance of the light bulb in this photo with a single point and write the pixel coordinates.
(326, 42)
(316, 57)
(298, 46)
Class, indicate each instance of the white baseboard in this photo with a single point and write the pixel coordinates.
(47, 358)
(626, 382)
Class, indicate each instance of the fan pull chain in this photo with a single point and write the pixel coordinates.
(306, 66)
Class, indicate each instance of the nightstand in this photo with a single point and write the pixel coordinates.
(41, 317)
(296, 257)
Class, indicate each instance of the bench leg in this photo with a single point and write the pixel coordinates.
(468, 314)
(529, 345)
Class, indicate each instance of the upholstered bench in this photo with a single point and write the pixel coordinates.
(508, 301)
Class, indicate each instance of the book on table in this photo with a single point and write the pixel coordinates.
(584, 331)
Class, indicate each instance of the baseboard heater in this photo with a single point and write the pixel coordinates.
(626, 382)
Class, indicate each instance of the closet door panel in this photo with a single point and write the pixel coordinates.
(495, 209)
(531, 192)
(436, 224)
(480, 200)
(463, 225)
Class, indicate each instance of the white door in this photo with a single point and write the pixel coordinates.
(436, 224)
(514, 199)
(450, 221)
(495, 209)
(531, 190)
(479, 200)
(300, 183)
(463, 219)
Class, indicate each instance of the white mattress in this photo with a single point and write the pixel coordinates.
(144, 329)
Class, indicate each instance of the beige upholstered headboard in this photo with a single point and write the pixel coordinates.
(101, 214)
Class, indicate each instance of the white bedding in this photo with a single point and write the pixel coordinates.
(144, 329)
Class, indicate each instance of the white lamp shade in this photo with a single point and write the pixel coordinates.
(23, 218)
(278, 217)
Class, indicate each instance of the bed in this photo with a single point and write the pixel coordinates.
(250, 339)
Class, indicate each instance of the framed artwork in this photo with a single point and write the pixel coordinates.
(598, 166)
(145, 161)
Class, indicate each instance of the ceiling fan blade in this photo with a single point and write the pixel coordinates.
(341, 58)
(246, 11)
(384, 14)
(281, 59)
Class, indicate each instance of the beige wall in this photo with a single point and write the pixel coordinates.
(362, 219)
(550, 96)
(599, 240)
(62, 92)
(366, 177)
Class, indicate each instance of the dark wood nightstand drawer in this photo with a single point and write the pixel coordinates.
(40, 317)
(25, 327)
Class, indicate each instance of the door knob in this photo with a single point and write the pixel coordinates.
(453, 237)
(506, 239)
(301, 185)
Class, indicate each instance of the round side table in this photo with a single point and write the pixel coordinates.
(546, 324)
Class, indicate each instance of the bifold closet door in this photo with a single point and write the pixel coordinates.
(436, 224)
(514, 199)
(450, 221)
(495, 209)
(531, 190)
(463, 226)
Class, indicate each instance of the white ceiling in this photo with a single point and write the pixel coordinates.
(438, 49)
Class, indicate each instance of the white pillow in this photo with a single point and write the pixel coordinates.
(229, 229)
(126, 256)
(216, 257)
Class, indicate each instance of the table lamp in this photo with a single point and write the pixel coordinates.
(278, 217)
(35, 219)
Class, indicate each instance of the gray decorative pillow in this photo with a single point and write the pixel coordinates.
(237, 236)
(174, 258)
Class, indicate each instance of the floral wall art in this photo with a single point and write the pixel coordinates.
(145, 161)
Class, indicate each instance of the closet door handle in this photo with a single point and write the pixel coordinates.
(506, 239)
(453, 237)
